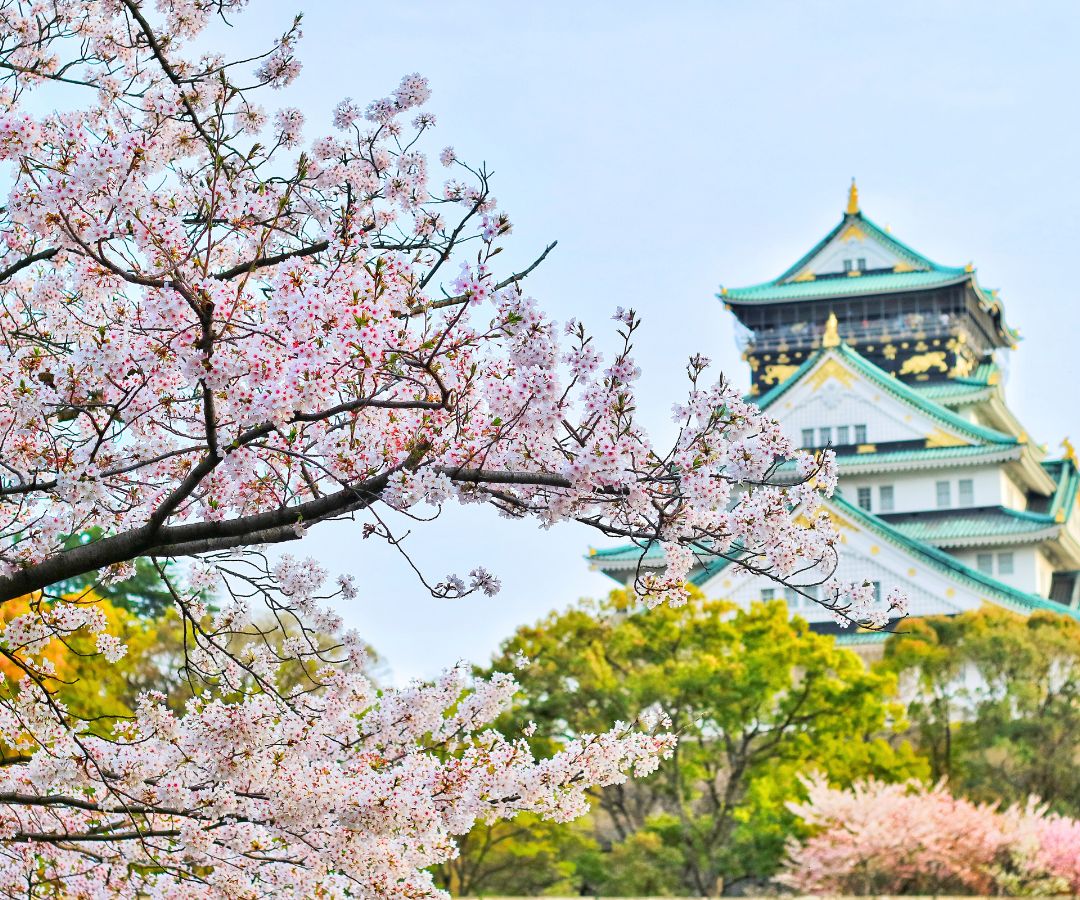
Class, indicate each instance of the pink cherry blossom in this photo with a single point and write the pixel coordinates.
(217, 338)
(913, 838)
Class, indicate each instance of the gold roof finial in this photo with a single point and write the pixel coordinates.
(831, 337)
(852, 199)
(1070, 451)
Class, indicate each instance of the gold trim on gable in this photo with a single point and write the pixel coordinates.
(839, 521)
(852, 233)
(828, 370)
(939, 438)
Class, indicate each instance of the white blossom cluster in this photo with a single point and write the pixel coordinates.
(219, 333)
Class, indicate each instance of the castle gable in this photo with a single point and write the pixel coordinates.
(849, 401)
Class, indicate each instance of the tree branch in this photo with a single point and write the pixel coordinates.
(5, 274)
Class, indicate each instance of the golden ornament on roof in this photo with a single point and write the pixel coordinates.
(852, 199)
(832, 332)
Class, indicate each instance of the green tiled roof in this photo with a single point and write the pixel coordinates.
(1065, 473)
(926, 274)
(872, 230)
(843, 286)
(945, 562)
(895, 387)
(928, 455)
(916, 458)
(932, 556)
(950, 391)
(983, 373)
(627, 553)
(998, 522)
(857, 638)
(985, 376)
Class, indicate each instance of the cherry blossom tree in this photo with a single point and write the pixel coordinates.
(915, 838)
(1058, 850)
(218, 334)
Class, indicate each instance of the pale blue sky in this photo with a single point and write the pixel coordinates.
(674, 147)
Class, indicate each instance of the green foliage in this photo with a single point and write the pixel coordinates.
(995, 702)
(145, 593)
(104, 693)
(756, 698)
(648, 863)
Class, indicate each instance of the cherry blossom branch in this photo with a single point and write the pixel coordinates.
(26, 261)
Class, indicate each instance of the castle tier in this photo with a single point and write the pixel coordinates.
(915, 319)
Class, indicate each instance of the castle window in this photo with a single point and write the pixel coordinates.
(967, 492)
(843, 435)
(877, 591)
(768, 594)
(862, 264)
(808, 437)
(886, 498)
(847, 265)
(860, 434)
(1005, 564)
(984, 562)
(944, 495)
(824, 436)
(864, 498)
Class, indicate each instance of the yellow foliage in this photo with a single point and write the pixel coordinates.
(83, 680)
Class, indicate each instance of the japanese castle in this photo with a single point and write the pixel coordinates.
(868, 347)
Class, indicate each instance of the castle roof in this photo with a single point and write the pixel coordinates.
(627, 557)
(826, 271)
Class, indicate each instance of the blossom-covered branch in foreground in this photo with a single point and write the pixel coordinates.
(218, 335)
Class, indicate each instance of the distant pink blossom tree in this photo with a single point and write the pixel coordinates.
(1058, 850)
(913, 838)
(217, 335)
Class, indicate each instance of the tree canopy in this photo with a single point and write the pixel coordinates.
(756, 699)
(994, 701)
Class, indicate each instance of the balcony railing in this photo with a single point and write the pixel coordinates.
(904, 327)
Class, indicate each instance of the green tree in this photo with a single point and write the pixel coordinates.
(994, 701)
(757, 699)
(144, 592)
(525, 856)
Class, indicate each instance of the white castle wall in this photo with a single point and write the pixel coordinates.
(1032, 571)
(917, 491)
(833, 405)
